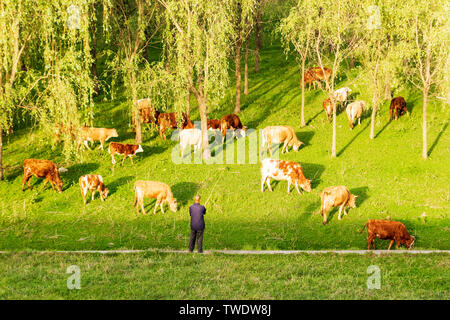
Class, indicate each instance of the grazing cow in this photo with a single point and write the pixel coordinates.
(169, 121)
(388, 230)
(315, 74)
(231, 122)
(213, 124)
(61, 129)
(147, 113)
(336, 197)
(398, 107)
(127, 150)
(355, 111)
(96, 134)
(153, 189)
(190, 137)
(280, 134)
(93, 182)
(290, 171)
(342, 94)
(41, 169)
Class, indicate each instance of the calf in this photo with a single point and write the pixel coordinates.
(231, 122)
(96, 134)
(388, 230)
(398, 107)
(190, 137)
(355, 111)
(127, 150)
(336, 197)
(93, 182)
(153, 189)
(280, 134)
(290, 171)
(41, 169)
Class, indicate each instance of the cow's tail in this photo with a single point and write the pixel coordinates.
(364, 227)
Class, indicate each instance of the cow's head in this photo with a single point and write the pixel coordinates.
(352, 201)
(139, 149)
(243, 131)
(173, 205)
(410, 242)
(114, 133)
(297, 145)
(306, 185)
(105, 192)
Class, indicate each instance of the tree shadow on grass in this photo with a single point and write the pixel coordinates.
(382, 129)
(305, 136)
(12, 172)
(76, 171)
(184, 192)
(353, 139)
(116, 184)
(315, 116)
(437, 138)
(313, 172)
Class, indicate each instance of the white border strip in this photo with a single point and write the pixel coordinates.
(238, 252)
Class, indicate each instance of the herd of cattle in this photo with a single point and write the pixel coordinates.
(290, 171)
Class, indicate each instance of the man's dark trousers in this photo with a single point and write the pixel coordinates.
(199, 235)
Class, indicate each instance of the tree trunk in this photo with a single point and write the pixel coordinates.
(204, 123)
(137, 115)
(387, 88)
(188, 103)
(1, 154)
(237, 108)
(258, 42)
(424, 124)
(352, 62)
(246, 68)
(94, 55)
(374, 113)
(333, 146)
(302, 117)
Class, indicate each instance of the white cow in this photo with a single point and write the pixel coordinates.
(342, 94)
(190, 137)
(354, 111)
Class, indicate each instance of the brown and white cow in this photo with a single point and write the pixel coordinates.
(280, 134)
(93, 182)
(388, 230)
(127, 150)
(338, 196)
(153, 189)
(290, 171)
(96, 134)
(355, 111)
(398, 107)
(169, 121)
(41, 169)
(231, 122)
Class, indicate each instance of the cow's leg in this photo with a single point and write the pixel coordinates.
(83, 194)
(390, 244)
(101, 144)
(359, 121)
(26, 179)
(131, 158)
(113, 160)
(141, 202)
(340, 211)
(289, 186)
(268, 184)
(263, 179)
(396, 113)
(296, 188)
(156, 206)
(93, 195)
(123, 160)
(324, 216)
(161, 204)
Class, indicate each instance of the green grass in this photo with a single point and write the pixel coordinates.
(387, 173)
(175, 276)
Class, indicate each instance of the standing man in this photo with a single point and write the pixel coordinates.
(197, 211)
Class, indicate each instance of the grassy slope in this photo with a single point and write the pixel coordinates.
(175, 276)
(387, 174)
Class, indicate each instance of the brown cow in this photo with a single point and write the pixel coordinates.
(316, 74)
(61, 130)
(338, 196)
(398, 107)
(127, 150)
(147, 113)
(231, 122)
(280, 134)
(169, 121)
(213, 124)
(93, 182)
(328, 108)
(41, 169)
(153, 189)
(388, 230)
(96, 134)
(290, 171)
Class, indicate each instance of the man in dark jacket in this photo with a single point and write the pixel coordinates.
(197, 211)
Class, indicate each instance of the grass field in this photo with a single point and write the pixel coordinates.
(387, 174)
(174, 276)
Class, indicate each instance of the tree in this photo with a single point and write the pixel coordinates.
(426, 33)
(258, 31)
(130, 20)
(336, 21)
(197, 38)
(298, 30)
(242, 17)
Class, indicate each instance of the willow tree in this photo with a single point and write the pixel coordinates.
(426, 31)
(298, 31)
(337, 25)
(242, 15)
(197, 37)
(128, 22)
